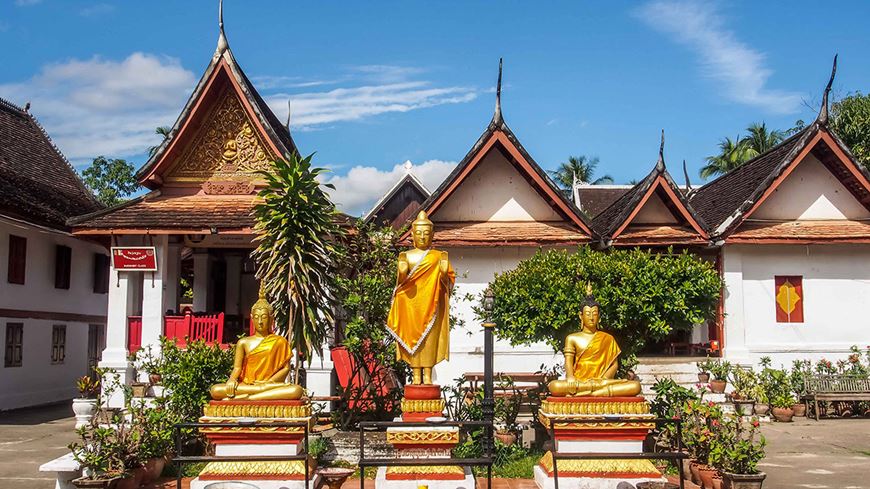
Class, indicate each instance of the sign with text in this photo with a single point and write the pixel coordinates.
(134, 258)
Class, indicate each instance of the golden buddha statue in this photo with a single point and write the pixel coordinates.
(591, 360)
(419, 317)
(261, 363)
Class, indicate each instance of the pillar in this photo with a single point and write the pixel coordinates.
(234, 284)
(318, 376)
(171, 287)
(201, 270)
(114, 358)
(153, 296)
(735, 350)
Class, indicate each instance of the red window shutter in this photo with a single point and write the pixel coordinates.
(788, 298)
(17, 260)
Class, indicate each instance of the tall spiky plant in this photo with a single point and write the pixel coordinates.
(297, 246)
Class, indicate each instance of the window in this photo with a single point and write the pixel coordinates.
(14, 339)
(17, 259)
(789, 297)
(101, 273)
(58, 343)
(62, 266)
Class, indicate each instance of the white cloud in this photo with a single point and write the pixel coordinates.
(98, 106)
(27, 3)
(97, 10)
(740, 69)
(358, 190)
(349, 104)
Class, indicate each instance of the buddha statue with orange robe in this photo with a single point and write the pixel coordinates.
(591, 360)
(261, 363)
(419, 317)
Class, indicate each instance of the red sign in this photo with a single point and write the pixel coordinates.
(134, 258)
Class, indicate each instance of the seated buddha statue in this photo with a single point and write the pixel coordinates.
(261, 363)
(591, 360)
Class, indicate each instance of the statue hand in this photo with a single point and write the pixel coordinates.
(231, 388)
(444, 265)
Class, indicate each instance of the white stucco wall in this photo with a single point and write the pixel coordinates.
(654, 212)
(811, 192)
(836, 287)
(37, 381)
(475, 268)
(495, 191)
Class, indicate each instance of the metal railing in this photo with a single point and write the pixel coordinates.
(677, 455)
(370, 426)
(180, 460)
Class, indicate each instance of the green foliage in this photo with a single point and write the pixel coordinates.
(153, 429)
(87, 387)
(737, 446)
(580, 167)
(782, 401)
(702, 422)
(110, 180)
(850, 119)
(669, 403)
(705, 365)
(317, 447)
(644, 296)
(735, 152)
(163, 132)
(720, 369)
(297, 231)
(188, 374)
(744, 381)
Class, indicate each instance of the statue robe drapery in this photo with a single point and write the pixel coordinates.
(596, 358)
(419, 317)
(271, 355)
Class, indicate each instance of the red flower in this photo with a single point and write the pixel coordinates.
(755, 424)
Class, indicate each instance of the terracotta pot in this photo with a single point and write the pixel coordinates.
(718, 386)
(718, 482)
(800, 409)
(155, 378)
(506, 438)
(128, 482)
(762, 409)
(695, 469)
(88, 483)
(160, 464)
(783, 415)
(703, 377)
(139, 389)
(687, 471)
(707, 472)
(150, 469)
(743, 481)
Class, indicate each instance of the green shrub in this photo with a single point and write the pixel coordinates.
(189, 373)
(644, 296)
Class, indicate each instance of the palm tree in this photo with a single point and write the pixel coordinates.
(580, 168)
(160, 131)
(732, 153)
(760, 139)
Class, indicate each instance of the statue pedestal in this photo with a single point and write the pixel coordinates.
(257, 439)
(423, 442)
(609, 436)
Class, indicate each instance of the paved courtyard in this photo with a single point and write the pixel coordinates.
(832, 453)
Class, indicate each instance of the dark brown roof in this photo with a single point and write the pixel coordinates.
(596, 198)
(37, 184)
(516, 233)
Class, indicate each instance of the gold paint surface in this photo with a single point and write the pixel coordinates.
(427, 469)
(422, 405)
(606, 466)
(423, 437)
(257, 411)
(257, 469)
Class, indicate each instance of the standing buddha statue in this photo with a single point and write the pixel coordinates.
(419, 317)
(591, 360)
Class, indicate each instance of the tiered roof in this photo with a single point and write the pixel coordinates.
(37, 184)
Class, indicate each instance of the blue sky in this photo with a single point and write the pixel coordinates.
(374, 84)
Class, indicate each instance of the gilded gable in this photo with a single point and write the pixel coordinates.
(226, 146)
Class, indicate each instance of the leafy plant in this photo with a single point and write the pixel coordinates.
(111, 180)
(705, 365)
(188, 374)
(850, 119)
(720, 369)
(783, 401)
(318, 447)
(644, 296)
(88, 387)
(297, 247)
(703, 420)
(147, 361)
(738, 446)
(670, 401)
(744, 381)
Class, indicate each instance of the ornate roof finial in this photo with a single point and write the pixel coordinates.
(497, 118)
(823, 111)
(408, 165)
(222, 38)
(660, 164)
(289, 112)
(686, 174)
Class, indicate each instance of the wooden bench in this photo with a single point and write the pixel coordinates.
(835, 388)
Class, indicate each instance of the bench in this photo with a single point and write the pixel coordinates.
(65, 469)
(835, 388)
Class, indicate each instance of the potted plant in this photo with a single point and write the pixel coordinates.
(719, 370)
(782, 408)
(762, 403)
(742, 452)
(507, 409)
(800, 370)
(85, 405)
(96, 451)
(154, 432)
(704, 370)
(744, 382)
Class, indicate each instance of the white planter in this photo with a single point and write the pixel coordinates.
(84, 410)
(142, 376)
(156, 391)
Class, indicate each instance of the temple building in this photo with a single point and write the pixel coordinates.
(400, 203)
(53, 285)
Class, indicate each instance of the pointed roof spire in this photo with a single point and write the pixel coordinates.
(289, 112)
(660, 164)
(823, 111)
(222, 44)
(686, 175)
(497, 118)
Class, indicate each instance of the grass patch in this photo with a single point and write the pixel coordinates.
(187, 470)
(520, 466)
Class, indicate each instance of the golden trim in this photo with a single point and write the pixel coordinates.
(423, 437)
(258, 469)
(426, 470)
(257, 411)
(422, 405)
(594, 408)
(603, 466)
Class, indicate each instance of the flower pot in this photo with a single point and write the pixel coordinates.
(800, 409)
(129, 482)
(159, 465)
(762, 409)
(506, 438)
(743, 407)
(687, 471)
(706, 473)
(84, 410)
(140, 389)
(783, 415)
(695, 469)
(155, 378)
(89, 483)
(743, 481)
(718, 482)
(703, 377)
(152, 472)
(718, 386)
